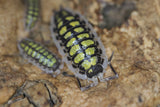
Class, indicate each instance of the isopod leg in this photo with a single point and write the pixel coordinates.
(115, 73)
(67, 75)
(33, 35)
(95, 82)
(79, 83)
(57, 72)
(112, 77)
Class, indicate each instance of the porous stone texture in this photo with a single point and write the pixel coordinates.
(39, 93)
(136, 59)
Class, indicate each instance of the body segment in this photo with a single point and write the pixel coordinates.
(40, 56)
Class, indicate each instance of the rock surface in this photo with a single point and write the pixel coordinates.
(39, 93)
(136, 46)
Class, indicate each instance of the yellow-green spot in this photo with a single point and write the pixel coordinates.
(29, 16)
(93, 60)
(64, 13)
(29, 51)
(37, 8)
(26, 48)
(79, 58)
(87, 63)
(90, 51)
(58, 18)
(49, 56)
(90, 71)
(45, 53)
(35, 45)
(60, 24)
(52, 62)
(30, 12)
(38, 48)
(74, 49)
(69, 18)
(32, 25)
(79, 29)
(38, 56)
(30, 7)
(45, 61)
(27, 42)
(22, 45)
(67, 35)
(34, 53)
(87, 43)
(30, 43)
(63, 30)
(41, 59)
(28, 21)
(34, 18)
(84, 35)
(36, 13)
(71, 42)
(42, 50)
(74, 23)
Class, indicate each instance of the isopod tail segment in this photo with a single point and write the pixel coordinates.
(100, 77)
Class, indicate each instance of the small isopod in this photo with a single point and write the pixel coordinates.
(32, 14)
(40, 56)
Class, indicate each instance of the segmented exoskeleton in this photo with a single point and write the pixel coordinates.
(38, 55)
(33, 13)
(81, 48)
